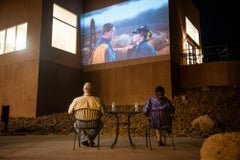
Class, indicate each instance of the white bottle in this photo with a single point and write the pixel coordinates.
(113, 107)
(136, 107)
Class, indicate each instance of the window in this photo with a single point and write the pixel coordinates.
(10, 40)
(64, 33)
(2, 41)
(191, 49)
(13, 38)
(21, 36)
(192, 31)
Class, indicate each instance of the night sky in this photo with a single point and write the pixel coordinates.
(220, 24)
(217, 21)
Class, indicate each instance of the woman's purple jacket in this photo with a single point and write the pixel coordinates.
(159, 111)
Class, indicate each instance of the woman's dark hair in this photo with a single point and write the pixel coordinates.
(107, 27)
(159, 91)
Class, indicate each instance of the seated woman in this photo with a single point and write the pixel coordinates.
(159, 110)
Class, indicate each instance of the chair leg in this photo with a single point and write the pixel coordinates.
(79, 139)
(148, 139)
(98, 143)
(164, 135)
(74, 141)
(173, 142)
(146, 135)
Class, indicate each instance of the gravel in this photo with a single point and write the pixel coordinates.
(222, 104)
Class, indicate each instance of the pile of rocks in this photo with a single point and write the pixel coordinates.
(221, 104)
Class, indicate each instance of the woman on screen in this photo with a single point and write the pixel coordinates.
(141, 48)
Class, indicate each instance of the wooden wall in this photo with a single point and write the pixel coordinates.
(130, 81)
(210, 74)
(60, 72)
(43, 80)
(19, 70)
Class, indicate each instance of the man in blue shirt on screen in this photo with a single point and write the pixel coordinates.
(141, 48)
(103, 51)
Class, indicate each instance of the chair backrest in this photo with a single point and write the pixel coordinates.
(160, 118)
(87, 118)
(86, 114)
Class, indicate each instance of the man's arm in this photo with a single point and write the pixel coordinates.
(71, 107)
(103, 107)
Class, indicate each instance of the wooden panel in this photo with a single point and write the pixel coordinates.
(130, 84)
(19, 70)
(210, 74)
(19, 88)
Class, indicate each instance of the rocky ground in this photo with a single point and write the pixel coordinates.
(222, 104)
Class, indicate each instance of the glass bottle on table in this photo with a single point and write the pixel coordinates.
(136, 107)
(113, 107)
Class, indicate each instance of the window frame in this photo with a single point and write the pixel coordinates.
(64, 29)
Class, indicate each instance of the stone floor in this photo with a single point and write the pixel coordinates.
(60, 147)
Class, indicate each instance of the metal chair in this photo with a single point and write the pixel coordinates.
(163, 117)
(87, 119)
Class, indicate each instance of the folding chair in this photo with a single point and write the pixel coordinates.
(87, 119)
(163, 117)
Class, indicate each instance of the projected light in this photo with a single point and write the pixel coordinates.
(141, 30)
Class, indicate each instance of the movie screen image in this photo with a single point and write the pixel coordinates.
(129, 30)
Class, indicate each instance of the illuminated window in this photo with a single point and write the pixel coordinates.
(192, 31)
(10, 40)
(2, 41)
(13, 38)
(191, 45)
(21, 36)
(64, 34)
(193, 55)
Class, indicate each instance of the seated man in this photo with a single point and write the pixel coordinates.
(162, 104)
(91, 102)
